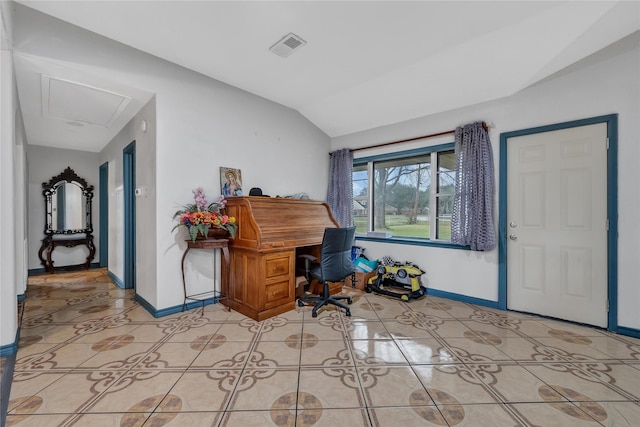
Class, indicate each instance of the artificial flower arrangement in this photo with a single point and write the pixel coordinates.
(200, 216)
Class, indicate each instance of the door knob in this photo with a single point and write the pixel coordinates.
(513, 224)
(513, 237)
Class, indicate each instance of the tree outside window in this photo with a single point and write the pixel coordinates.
(401, 196)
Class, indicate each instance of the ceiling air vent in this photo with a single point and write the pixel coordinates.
(286, 45)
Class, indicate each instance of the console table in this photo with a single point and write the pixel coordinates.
(223, 245)
(49, 243)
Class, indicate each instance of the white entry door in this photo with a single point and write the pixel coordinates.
(557, 224)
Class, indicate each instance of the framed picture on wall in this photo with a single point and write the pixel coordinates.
(230, 182)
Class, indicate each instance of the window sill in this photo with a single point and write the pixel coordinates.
(412, 241)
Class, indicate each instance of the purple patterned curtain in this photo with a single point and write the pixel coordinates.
(472, 219)
(340, 193)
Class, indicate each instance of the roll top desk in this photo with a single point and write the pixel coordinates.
(272, 233)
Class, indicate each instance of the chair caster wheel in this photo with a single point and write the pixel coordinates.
(349, 301)
(347, 313)
(314, 314)
(300, 303)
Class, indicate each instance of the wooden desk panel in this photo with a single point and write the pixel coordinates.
(271, 233)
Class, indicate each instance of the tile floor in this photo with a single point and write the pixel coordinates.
(89, 355)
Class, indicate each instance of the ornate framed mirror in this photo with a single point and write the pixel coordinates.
(68, 201)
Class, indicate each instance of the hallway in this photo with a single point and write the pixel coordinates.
(89, 355)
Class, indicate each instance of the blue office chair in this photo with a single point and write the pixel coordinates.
(334, 265)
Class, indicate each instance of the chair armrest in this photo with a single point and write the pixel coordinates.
(308, 260)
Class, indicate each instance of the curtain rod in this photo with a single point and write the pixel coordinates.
(433, 135)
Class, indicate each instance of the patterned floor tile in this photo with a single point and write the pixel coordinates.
(377, 352)
(247, 331)
(279, 329)
(104, 333)
(71, 393)
(198, 391)
(446, 328)
(530, 350)
(136, 391)
(327, 330)
(277, 418)
(388, 309)
(426, 351)
(392, 386)
(26, 420)
(619, 414)
(430, 307)
(491, 328)
(324, 353)
(117, 353)
(169, 355)
(90, 355)
(335, 387)
(407, 327)
(565, 414)
(574, 347)
(272, 354)
(259, 389)
(195, 332)
(514, 383)
(363, 309)
(218, 353)
(480, 415)
(27, 384)
(474, 349)
(455, 384)
(59, 357)
(616, 348)
(372, 330)
(356, 417)
(575, 383)
(415, 416)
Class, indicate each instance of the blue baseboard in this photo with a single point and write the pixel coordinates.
(172, 310)
(621, 330)
(631, 332)
(10, 349)
(36, 271)
(463, 298)
(116, 279)
(146, 305)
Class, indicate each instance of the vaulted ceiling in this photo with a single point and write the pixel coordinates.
(365, 64)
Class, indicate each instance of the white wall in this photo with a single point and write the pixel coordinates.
(201, 124)
(195, 126)
(145, 206)
(44, 164)
(21, 208)
(12, 165)
(198, 125)
(605, 83)
(204, 124)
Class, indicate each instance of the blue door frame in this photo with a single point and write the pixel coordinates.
(104, 214)
(612, 209)
(129, 182)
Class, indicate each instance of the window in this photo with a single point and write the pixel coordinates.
(408, 195)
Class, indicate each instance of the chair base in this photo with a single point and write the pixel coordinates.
(325, 299)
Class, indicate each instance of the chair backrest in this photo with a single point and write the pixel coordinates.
(335, 255)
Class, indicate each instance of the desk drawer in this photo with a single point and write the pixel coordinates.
(277, 265)
(276, 293)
